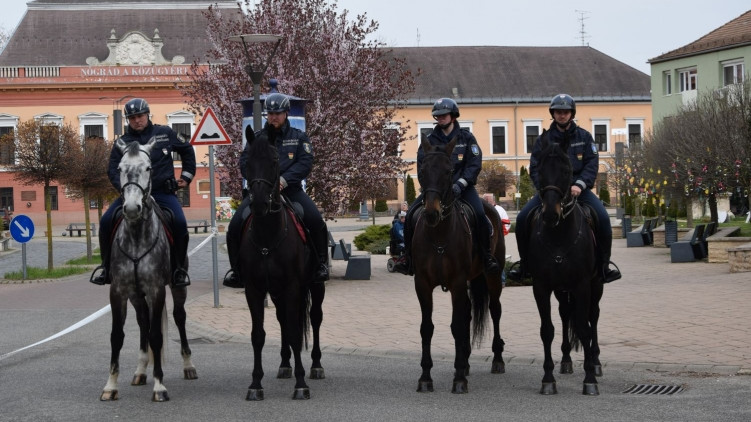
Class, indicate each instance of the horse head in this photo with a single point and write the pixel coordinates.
(135, 177)
(435, 177)
(262, 170)
(554, 175)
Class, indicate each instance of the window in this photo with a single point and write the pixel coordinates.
(531, 131)
(183, 197)
(92, 125)
(93, 131)
(498, 138)
(52, 192)
(687, 79)
(601, 136)
(634, 135)
(667, 83)
(7, 146)
(732, 73)
(6, 198)
(184, 130)
(203, 186)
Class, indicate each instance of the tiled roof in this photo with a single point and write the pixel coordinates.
(523, 74)
(735, 33)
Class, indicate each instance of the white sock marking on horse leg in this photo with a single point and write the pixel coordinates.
(143, 362)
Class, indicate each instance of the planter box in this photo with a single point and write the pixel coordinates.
(719, 243)
(739, 258)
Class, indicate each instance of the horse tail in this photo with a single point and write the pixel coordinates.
(573, 338)
(165, 327)
(478, 289)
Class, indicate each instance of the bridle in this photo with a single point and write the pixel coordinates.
(567, 207)
(145, 191)
(446, 208)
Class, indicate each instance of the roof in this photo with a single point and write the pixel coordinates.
(735, 33)
(488, 74)
(39, 41)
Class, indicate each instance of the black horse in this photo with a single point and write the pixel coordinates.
(443, 255)
(562, 258)
(275, 259)
(139, 274)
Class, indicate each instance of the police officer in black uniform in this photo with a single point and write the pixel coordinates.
(295, 164)
(467, 159)
(163, 186)
(582, 151)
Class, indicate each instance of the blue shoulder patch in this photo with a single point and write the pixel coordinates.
(475, 149)
(594, 149)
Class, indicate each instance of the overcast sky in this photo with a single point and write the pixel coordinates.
(631, 31)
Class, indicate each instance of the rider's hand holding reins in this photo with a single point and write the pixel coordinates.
(575, 191)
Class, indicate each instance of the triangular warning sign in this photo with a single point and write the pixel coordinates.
(210, 131)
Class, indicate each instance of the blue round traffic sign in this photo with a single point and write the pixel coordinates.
(21, 228)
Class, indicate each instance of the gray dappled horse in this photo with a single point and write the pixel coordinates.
(140, 270)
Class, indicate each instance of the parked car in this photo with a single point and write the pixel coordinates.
(6, 215)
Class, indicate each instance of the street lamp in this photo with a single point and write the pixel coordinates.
(117, 113)
(256, 74)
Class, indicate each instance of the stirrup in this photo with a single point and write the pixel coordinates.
(99, 279)
(232, 280)
(181, 273)
(404, 266)
(515, 272)
(614, 274)
(322, 274)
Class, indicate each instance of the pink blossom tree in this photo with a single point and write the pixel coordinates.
(353, 87)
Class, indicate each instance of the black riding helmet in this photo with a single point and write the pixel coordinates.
(445, 106)
(136, 106)
(563, 102)
(276, 103)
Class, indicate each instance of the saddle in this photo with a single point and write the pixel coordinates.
(589, 215)
(468, 216)
(295, 211)
(164, 214)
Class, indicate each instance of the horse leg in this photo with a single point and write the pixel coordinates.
(583, 330)
(317, 292)
(179, 296)
(547, 332)
(285, 368)
(158, 316)
(597, 290)
(257, 339)
(292, 322)
(119, 312)
(494, 305)
(425, 297)
(461, 317)
(567, 366)
(142, 317)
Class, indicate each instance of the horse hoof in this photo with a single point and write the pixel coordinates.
(317, 374)
(109, 395)
(190, 374)
(284, 372)
(548, 388)
(598, 370)
(301, 393)
(254, 394)
(460, 387)
(160, 396)
(591, 389)
(567, 368)
(425, 387)
(139, 379)
(498, 368)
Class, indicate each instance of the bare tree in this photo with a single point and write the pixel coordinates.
(495, 178)
(354, 89)
(43, 153)
(87, 177)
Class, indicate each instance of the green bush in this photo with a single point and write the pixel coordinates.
(374, 239)
(381, 205)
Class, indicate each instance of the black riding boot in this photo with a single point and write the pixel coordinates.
(180, 276)
(608, 275)
(104, 250)
(404, 266)
(320, 238)
(491, 264)
(518, 269)
(234, 234)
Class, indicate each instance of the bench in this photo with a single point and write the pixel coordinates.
(642, 236)
(5, 244)
(358, 266)
(336, 250)
(724, 239)
(80, 228)
(198, 224)
(690, 247)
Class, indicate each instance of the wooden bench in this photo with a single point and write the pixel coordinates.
(358, 266)
(198, 224)
(80, 228)
(643, 235)
(690, 247)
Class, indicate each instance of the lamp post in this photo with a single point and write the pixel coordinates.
(117, 113)
(256, 73)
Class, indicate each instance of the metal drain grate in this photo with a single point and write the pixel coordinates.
(650, 389)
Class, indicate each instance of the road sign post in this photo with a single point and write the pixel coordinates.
(22, 230)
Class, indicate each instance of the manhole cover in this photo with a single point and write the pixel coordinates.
(651, 389)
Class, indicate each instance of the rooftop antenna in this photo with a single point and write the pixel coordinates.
(582, 33)
(418, 37)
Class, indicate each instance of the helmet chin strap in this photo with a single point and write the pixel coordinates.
(446, 126)
(563, 127)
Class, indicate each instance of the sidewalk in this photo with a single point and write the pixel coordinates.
(673, 317)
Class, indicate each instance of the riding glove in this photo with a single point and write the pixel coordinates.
(457, 188)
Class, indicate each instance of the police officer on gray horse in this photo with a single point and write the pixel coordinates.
(585, 164)
(295, 164)
(163, 186)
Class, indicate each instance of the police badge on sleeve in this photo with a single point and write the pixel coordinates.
(306, 147)
(594, 149)
(475, 149)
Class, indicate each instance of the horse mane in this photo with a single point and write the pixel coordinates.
(555, 163)
(132, 149)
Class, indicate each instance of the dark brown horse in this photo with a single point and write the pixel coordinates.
(443, 255)
(563, 260)
(275, 260)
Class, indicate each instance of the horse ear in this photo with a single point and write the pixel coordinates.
(120, 144)
(147, 147)
(424, 143)
(250, 136)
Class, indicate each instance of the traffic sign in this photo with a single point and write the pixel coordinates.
(21, 228)
(210, 131)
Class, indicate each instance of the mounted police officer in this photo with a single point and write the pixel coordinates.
(295, 164)
(585, 163)
(467, 160)
(163, 186)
